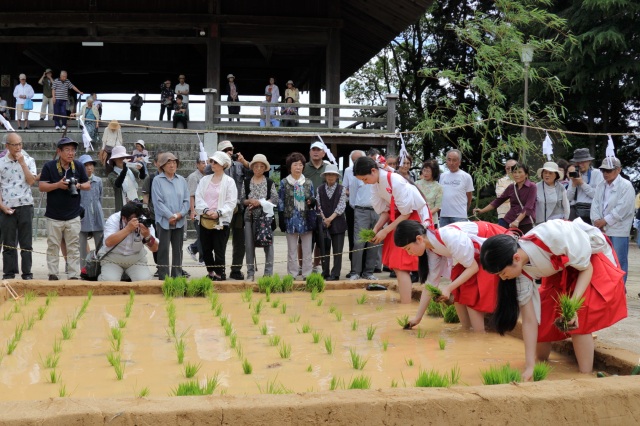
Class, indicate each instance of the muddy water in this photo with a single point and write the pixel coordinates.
(151, 360)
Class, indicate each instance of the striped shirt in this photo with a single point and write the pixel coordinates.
(61, 89)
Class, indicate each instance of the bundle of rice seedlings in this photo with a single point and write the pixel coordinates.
(449, 314)
(315, 280)
(366, 235)
(541, 370)
(500, 375)
(434, 309)
(265, 283)
(287, 283)
(568, 308)
(276, 284)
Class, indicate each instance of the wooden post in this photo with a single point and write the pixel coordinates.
(314, 93)
(267, 114)
(332, 73)
(213, 76)
(392, 99)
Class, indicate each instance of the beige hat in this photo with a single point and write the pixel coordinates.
(290, 82)
(181, 76)
(140, 142)
(550, 166)
(47, 70)
(222, 159)
(165, 157)
(224, 145)
(114, 125)
(22, 77)
(119, 152)
(230, 76)
(330, 168)
(259, 158)
(610, 163)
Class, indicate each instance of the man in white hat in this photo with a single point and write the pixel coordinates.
(612, 209)
(182, 88)
(46, 81)
(195, 249)
(22, 93)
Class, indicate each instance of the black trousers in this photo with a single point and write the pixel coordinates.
(169, 109)
(20, 223)
(214, 245)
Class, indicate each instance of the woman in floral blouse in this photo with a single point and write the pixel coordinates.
(430, 188)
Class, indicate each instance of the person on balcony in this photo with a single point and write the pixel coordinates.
(292, 92)
(273, 112)
(273, 90)
(180, 113)
(232, 95)
(289, 111)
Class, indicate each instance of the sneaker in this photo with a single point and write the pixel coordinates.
(331, 278)
(185, 274)
(369, 277)
(317, 269)
(156, 274)
(201, 263)
(392, 274)
(354, 277)
(192, 253)
(57, 127)
(64, 127)
(236, 275)
(53, 278)
(27, 276)
(350, 274)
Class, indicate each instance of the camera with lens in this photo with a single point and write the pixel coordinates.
(73, 186)
(148, 222)
(574, 175)
(234, 157)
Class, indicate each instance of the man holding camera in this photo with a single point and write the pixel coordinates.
(61, 179)
(126, 233)
(583, 185)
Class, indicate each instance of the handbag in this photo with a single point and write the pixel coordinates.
(28, 105)
(262, 232)
(583, 211)
(208, 223)
(93, 266)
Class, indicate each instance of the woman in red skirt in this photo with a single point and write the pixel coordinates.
(571, 258)
(473, 289)
(395, 200)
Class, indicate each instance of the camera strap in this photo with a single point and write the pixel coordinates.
(61, 172)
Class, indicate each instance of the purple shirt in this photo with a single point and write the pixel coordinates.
(527, 195)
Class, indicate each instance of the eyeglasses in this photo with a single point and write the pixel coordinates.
(69, 150)
(15, 144)
(608, 171)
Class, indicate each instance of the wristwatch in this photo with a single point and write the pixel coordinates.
(175, 216)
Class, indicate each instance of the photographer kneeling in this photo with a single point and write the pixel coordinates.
(125, 235)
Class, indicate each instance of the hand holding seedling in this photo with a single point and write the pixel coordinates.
(573, 324)
(380, 236)
(412, 323)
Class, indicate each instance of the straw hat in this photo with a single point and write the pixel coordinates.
(224, 145)
(86, 158)
(330, 168)
(114, 125)
(230, 76)
(222, 159)
(164, 159)
(550, 166)
(290, 82)
(119, 152)
(259, 158)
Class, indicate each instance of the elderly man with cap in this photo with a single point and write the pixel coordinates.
(231, 90)
(583, 185)
(166, 99)
(61, 179)
(170, 194)
(268, 113)
(46, 81)
(22, 92)
(123, 177)
(313, 171)
(216, 200)
(612, 210)
(17, 174)
(92, 224)
(182, 88)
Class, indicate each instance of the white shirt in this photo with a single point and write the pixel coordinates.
(184, 87)
(132, 243)
(15, 190)
(407, 197)
(587, 190)
(454, 193)
(501, 185)
(457, 248)
(614, 203)
(22, 89)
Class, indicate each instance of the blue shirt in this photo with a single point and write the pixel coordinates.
(170, 196)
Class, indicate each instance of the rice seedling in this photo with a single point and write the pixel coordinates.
(41, 311)
(449, 314)
(385, 344)
(116, 333)
(228, 329)
(306, 328)
(264, 329)
(247, 295)
(257, 308)
(283, 308)
(274, 340)
(18, 331)
(309, 368)
(31, 321)
(284, 350)
(119, 370)
(264, 283)
(287, 283)
(29, 297)
(198, 287)
(89, 295)
(16, 308)
(224, 320)
(276, 284)
(366, 235)
(83, 308)
(354, 325)
(57, 346)
(499, 375)
(255, 318)
(267, 293)
(314, 293)
(143, 393)
(329, 345)
(181, 347)
(362, 299)
(54, 376)
(338, 315)
(218, 310)
(316, 335)
(274, 388)
(568, 308)
(332, 309)
(174, 287)
(66, 331)
(371, 330)
(409, 362)
(246, 366)
(435, 291)
(132, 296)
(442, 343)
(360, 382)
(51, 361)
(319, 302)
(275, 303)
(127, 309)
(357, 361)
(113, 358)
(193, 388)
(239, 351)
(541, 370)
(51, 296)
(73, 322)
(315, 280)
(233, 340)
(191, 369)
(11, 345)
(336, 383)
(62, 391)
(394, 383)
(421, 334)
(379, 308)
(122, 323)
(8, 316)
(213, 300)
(434, 379)
(294, 318)
(403, 321)
(434, 309)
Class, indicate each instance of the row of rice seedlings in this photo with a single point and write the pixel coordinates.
(315, 280)
(541, 370)
(274, 388)
(29, 297)
(434, 379)
(362, 299)
(174, 287)
(193, 387)
(498, 375)
(371, 330)
(357, 361)
(246, 295)
(264, 329)
(17, 335)
(354, 325)
(314, 293)
(51, 360)
(129, 306)
(191, 369)
(115, 338)
(275, 284)
(258, 307)
(85, 305)
(357, 382)
(283, 308)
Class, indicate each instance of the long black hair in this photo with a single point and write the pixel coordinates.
(406, 233)
(495, 255)
(363, 166)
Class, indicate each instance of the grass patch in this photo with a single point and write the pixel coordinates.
(315, 280)
(287, 283)
(357, 361)
(499, 375)
(174, 287)
(403, 321)
(371, 330)
(360, 382)
(442, 343)
(541, 370)
(193, 387)
(354, 325)
(314, 293)
(57, 346)
(434, 379)
(568, 308)
(362, 299)
(276, 284)
(264, 329)
(198, 287)
(329, 345)
(265, 283)
(274, 388)
(275, 303)
(247, 295)
(274, 340)
(449, 314)
(316, 335)
(284, 350)
(409, 362)
(122, 323)
(258, 307)
(319, 302)
(246, 366)
(365, 235)
(119, 370)
(336, 383)
(338, 315)
(191, 369)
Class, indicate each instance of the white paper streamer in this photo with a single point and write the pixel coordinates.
(86, 138)
(610, 152)
(330, 156)
(6, 124)
(403, 149)
(203, 153)
(547, 147)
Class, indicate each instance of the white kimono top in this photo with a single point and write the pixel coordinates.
(407, 196)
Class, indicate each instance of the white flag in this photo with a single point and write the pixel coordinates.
(610, 152)
(86, 138)
(403, 149)
(203, 153)
(547, 147)
(326, 150)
